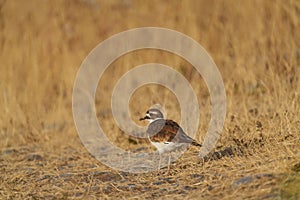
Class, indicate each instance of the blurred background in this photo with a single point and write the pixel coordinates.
(255, 44)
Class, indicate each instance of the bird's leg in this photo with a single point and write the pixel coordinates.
(159, 162)
(169, 163)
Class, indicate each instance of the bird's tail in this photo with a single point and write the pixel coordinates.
(194, 143)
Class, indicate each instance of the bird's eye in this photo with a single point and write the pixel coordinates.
(147, 112)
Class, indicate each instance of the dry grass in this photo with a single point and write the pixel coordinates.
(256, 45)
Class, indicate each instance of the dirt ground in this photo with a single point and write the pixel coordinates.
(256, 46)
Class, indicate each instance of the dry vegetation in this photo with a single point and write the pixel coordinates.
(256, 45)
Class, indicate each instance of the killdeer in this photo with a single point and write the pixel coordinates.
(165, 134)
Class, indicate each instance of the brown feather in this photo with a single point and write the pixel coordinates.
(168, 131)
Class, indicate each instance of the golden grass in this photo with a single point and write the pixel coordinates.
(255, 44)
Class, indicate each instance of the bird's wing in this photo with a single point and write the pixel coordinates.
(159, 132)
(180, 135)
(168, 131)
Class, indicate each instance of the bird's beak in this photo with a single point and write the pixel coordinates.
(143, 118)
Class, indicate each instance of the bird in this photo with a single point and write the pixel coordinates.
(165, 134)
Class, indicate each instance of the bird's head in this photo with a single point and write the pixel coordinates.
(152, 115)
